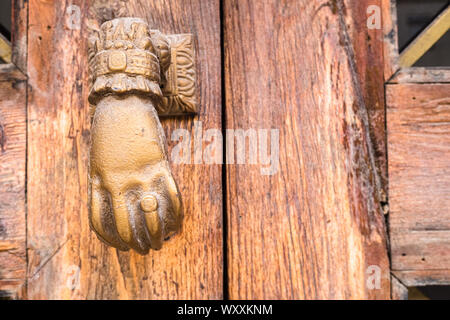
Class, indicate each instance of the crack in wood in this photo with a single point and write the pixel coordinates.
(362, 108)
(48, 259)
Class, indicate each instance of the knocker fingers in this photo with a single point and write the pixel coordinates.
(171, 211)
(151, 211)
(129, 222)
(140, 216)
(100, 217)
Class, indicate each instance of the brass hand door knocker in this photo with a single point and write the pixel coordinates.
(136, 74)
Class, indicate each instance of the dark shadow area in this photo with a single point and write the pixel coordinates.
(6, 295)
(5, 19)
(5, 23)
(429, 293)
(415, 15)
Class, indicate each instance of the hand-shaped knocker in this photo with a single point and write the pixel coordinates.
(134, 200)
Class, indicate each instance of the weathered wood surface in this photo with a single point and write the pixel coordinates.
(9, 72)
(368, 59)
(418, 123)
(399, 290)
(12, 182)
(19, 33)
(390, 32)
(421, 278)
(65, 258)
(422, 75)
(313, 228)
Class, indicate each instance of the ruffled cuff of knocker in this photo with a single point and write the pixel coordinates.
(121, 83)
(125, 57)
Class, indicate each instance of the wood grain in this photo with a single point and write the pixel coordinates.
(368, 59)
(10, 73)
(399, 290)
(65, 258)
(12, 182)
(418, 122)
(422, 278)
(311, 230)
(19, 33)
(422, 75)
(390, 32)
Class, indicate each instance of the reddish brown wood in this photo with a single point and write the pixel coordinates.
(66, 260)
(368, 59)
(389, 15)
(19, 33)
(312, 229)
(418, 120)
(12, 161)
(12, 183)
(422, 75)
(10, 73)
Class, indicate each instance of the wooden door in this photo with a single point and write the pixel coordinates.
(309, 71)
(60, 243)
(315, 228)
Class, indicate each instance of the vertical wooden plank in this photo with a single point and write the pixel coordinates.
(364, 20)
(65, 258)
(58, 136)
(12, 182)
(391, 55)
(19, 33)
(315, 228)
